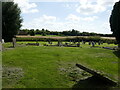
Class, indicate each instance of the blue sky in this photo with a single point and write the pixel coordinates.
(60, 15)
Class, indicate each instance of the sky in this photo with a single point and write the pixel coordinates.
(62, 15)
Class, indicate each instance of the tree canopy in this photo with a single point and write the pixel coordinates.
(115, 21)
(11, 20)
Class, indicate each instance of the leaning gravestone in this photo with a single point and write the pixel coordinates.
(14, 42)
(98, 75)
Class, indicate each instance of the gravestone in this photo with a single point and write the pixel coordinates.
(59, 43)
(83, 42)
(49, 42)
(14, 42)
(3, 41)
(93, 44)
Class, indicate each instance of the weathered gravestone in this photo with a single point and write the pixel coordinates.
(93, 44)
(14, 42)
(59, 43)
(83, 42)
(3, 41)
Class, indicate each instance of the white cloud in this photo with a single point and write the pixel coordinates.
(49, 18)
(75, 18)
(106, 26)
(89, 18)
(26, 6)
(88, 7)
(72, 17)
(52, 23)
(45, 19)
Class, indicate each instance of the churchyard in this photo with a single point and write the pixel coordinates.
(52, 64)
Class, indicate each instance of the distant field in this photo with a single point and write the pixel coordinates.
(54, 67)
(55, 36)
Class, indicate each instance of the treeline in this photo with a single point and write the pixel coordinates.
(72, 32)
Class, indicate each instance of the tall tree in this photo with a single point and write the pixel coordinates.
(115, 22)
(11, 20)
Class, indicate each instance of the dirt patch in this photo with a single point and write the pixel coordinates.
(73, 73)
(11, 75)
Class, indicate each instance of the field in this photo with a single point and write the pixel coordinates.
(54, 67)
(59, 37)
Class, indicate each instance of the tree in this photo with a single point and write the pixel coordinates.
(115, 22)
(11, 20)
(31, 32)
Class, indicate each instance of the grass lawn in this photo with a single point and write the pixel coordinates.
(54, 67)
(48, 35)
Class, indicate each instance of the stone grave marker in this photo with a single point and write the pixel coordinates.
(59, 43)
(14, 42)
(3, 41)
(93, 44)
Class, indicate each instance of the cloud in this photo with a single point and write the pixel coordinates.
(89, 18)
(88, 7)
(74, 18)
(52, 23)
(27, 7)
(43, 21)
(106, 25)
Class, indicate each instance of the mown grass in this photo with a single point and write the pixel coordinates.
(42, 65)
(48, 35)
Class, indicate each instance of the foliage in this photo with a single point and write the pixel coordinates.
(11, 20)
(115, 21)
(72, 32)
(31, 32)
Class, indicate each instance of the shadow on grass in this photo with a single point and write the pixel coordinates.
(117, 53)
(93, 83)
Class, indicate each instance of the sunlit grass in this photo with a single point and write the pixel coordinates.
(41, 64)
